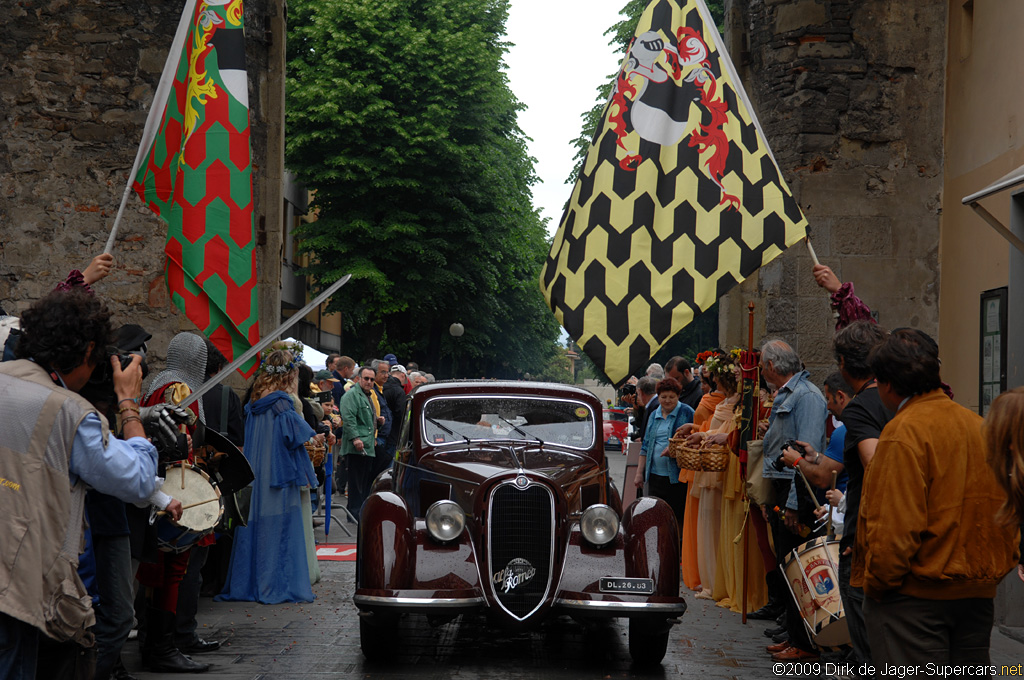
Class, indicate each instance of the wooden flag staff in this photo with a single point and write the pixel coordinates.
(810, 249)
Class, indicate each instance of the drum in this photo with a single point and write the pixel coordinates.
(201, 502)
(812, 572)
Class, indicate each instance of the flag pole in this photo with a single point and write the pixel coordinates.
(156, 112)
(810, 249)
(267, 339)
(746, 509)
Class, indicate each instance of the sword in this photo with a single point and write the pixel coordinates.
(267, 339)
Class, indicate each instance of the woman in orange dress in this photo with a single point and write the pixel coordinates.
(701, 418)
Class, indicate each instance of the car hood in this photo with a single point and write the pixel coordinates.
(477, 463)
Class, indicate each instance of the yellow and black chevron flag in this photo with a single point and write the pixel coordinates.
(679, 198)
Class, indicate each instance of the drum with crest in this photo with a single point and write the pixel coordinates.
(811, 572)
(201, 502)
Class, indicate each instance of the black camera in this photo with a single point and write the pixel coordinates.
(628, 389)
(780, 463)
(324, 397)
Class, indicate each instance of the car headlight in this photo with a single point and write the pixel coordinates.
(445, 521)
(599, 525)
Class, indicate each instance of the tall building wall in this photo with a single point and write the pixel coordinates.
(984, 111)
(850, 95)
(76, 82)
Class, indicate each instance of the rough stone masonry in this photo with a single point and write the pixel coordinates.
(76, 81)
(850, 95)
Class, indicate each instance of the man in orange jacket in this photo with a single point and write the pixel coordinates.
(929, 551)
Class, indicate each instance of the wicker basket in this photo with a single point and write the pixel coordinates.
(687, 457)
(714, 457)
(317, 454)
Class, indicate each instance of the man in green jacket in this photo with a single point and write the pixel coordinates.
(357, 439)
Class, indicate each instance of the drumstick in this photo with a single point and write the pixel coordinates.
(828, 531)
(191, 505)
(817, 506)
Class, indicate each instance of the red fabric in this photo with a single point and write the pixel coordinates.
(74, 281)
(164, 576)
(748, 362)
(849, 307)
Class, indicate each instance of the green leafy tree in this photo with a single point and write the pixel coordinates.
(400, 118)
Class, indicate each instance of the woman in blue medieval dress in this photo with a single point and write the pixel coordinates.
(270, 561)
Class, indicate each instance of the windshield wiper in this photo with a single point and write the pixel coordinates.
(448, 430)
(521, 431)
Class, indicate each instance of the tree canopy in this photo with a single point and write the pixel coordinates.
(400, 119)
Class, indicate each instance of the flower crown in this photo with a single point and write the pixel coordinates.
(287, 368)
(294, 347)
(719, 363)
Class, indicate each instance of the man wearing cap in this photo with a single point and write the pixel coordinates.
(398, 371)
(325, 380)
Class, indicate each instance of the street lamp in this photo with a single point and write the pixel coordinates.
(456, 330)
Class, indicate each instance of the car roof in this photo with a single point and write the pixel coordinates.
(510, 387)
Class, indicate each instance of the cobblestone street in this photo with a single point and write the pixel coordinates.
(321, 640)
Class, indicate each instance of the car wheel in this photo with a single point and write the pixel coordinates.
(377, 639)
(648, 641)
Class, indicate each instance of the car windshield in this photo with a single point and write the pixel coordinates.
(616, 415)
(547, 420)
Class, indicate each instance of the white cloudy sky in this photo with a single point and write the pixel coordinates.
(560, 57)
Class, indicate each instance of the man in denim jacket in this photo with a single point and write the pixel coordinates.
(798, 413)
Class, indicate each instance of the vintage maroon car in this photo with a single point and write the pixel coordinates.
(500, 501)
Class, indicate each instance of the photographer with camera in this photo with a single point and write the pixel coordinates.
(798, 414)
(108, 552)
(54, 436)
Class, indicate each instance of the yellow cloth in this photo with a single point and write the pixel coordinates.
(728, 588)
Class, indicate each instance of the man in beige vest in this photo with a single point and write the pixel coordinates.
(53, 444)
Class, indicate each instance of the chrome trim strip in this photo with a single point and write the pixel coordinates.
(403, 601)
(490, 549)
(606, 604)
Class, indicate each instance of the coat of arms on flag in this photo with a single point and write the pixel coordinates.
(194, 171)
(678, 200)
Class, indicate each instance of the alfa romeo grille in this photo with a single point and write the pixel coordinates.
(521, 542)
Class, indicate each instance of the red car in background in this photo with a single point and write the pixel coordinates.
(616, 429)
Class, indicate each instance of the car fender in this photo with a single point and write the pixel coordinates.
(386, 551)
(652, 548)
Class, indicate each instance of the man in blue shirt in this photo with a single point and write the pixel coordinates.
(53, 436)
(798, 413)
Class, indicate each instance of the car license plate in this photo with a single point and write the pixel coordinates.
(641, 586)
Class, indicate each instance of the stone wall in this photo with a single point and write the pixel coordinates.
(850, 95)
(76, 81)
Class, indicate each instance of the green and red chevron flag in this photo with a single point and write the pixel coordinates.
(194, 171)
